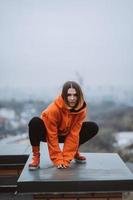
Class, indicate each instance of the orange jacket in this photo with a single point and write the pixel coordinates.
(59, 120)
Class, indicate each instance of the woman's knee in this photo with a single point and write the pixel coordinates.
(36, 122)
(91, 125)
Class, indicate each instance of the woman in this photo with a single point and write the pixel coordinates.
(62, 122)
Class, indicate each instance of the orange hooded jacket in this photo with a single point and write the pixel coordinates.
(59, 120)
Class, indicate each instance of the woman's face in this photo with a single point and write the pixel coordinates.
(72, 97)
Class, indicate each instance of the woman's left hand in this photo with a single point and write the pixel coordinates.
(62, 166)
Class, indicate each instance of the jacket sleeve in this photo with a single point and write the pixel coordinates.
(72, 140)
(52, 137)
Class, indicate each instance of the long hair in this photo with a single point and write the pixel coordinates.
(80, 97)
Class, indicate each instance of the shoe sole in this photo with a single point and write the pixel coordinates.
(80, 161)
(34, 168)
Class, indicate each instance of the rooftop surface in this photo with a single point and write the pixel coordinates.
(102, 172)
(14, 150)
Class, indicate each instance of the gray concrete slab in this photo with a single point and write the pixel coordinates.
(14, 150)
(12, 196)
(102, 172)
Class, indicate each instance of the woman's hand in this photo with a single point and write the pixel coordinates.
(62, 166)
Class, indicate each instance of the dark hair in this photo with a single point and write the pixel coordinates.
(72, 84)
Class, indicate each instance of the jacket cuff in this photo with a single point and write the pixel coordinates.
(58, 162)
(66, 162)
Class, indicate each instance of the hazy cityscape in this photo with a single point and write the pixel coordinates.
(113, 116)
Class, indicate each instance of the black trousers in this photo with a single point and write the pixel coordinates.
(37, 132)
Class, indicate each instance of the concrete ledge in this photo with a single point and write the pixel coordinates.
(13, 153)
(87, 196)
(13, 156)
(103, 172)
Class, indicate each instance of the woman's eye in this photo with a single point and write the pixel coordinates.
(75, 95)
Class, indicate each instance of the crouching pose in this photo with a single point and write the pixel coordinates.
(62, 122)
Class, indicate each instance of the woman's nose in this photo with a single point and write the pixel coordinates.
(72, 97)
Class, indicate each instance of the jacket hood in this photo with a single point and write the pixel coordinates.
(62, 105)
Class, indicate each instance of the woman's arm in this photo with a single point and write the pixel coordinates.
(55, 152)
(72, 140)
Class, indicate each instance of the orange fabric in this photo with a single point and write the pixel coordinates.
(59, 119)
(36, 150)
(35, 161)
(36, 157)
(78, 156)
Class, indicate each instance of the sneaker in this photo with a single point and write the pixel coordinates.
(79, 159)
(35, 163)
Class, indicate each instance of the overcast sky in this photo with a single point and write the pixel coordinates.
(44, 43)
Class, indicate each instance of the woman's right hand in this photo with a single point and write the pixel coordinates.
(61, 166)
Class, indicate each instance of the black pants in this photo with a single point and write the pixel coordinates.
(37, 132)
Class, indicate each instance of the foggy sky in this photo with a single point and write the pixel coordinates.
(45, 43)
